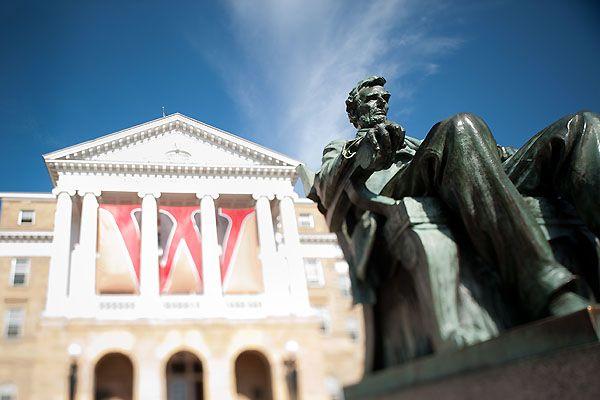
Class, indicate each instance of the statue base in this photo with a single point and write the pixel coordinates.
(554, 358)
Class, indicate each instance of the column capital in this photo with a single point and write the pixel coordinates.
(56, 191)
(156, 195)
(281, 196)
(95, 192)
(213, 195)
(269, 196)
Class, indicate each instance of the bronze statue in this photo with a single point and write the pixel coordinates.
(507, 264)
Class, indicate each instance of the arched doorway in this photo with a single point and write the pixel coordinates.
(253, 376)
(184, 377)
(113, 378)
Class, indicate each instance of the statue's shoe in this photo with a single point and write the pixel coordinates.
(567, 303)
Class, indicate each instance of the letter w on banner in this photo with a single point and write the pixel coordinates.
(118, 261)
(241, 271)
(179, 239)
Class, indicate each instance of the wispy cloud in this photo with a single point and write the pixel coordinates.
(297, 60)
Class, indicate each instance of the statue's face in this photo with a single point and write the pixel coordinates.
(372, 106)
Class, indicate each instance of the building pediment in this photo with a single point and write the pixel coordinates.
(178, 147)
(172, 143)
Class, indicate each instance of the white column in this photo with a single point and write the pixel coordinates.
(211, 266)
(58, 275)
(150, 380)
(149, 280)
(274, 276)
(82, 291)
(220, 382)
(291, 238)
(85, 379)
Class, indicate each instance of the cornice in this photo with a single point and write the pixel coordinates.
(318, 238)
(26, 236)
(142, 168)
(267, 195)
(26, 195)
(304, 200)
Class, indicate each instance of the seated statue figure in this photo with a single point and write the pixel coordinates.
(481, 186)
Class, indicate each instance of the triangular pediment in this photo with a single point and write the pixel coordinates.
(175, 139)
(176, 147)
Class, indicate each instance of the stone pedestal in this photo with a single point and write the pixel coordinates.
(554, 358)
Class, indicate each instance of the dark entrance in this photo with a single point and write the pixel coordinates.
(253, 376)
(184, 377)
(113, 378)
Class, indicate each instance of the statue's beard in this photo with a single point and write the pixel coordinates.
(370, 120)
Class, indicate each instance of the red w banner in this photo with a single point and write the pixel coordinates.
(241, 271)
(118, 246)
(181, 258)
(180, 250)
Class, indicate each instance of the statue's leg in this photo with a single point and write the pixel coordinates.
(458, 162)
(563, 160)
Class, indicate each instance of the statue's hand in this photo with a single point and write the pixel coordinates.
(380, 145)
(397, 134)
(377, 151)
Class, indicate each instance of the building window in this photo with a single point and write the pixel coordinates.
(26, 217)
(8, 391)
(334, 389)
(344, 283)
(19, 274)
(306, 220)
(341, 267)
(352, 329)
(325, 319)
(314, 272)
(13, 322)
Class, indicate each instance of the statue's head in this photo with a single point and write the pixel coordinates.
(367, 103)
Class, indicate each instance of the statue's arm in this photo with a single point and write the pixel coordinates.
(326, 180)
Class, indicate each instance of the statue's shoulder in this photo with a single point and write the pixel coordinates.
(332, 150)
(337, 144)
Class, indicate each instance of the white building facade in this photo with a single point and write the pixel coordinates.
(176, 259)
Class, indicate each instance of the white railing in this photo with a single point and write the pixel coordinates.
(125, 307)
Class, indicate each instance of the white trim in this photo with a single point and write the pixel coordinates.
(161, 169)
(304, 200)
(179, 307)
(13, 270)
(26, 236)
(321, 251)
(318, 238)
(26, 195)
(26, 249)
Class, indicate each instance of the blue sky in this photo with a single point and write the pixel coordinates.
(277, 72)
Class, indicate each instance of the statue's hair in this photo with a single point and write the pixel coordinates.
(351, 101)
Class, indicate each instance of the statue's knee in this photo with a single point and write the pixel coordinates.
(589, 117)
(583, 121)
(465, 124)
